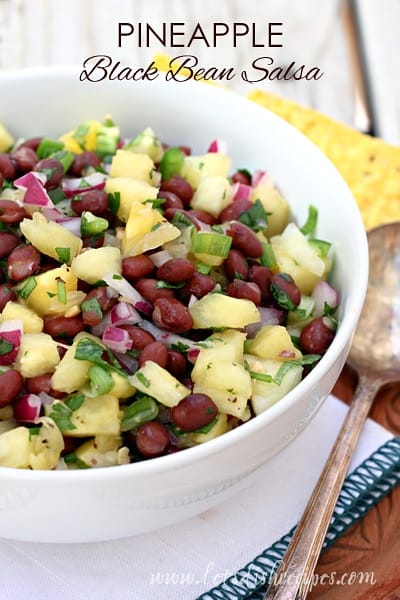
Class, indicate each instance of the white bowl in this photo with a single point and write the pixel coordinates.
(90, 505)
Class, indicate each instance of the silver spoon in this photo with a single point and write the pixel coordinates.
(375, 355)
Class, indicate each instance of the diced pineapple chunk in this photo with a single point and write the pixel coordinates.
(96, 416)
(212, 195)
(273, 342)
(31, 322)
(228, 384)
(158, 383)
(146, 229)
(46, 445)
(71, 373)
(220, 427)
(83, 137)
(130, 190)
(45, 290)
(15, 448)
(92, 264)
(37, 355)
(275, 205)
(218, 310)
(6, 140)
(265, 394)
(233, 338)
(122, 387)
(129, 164)
(148, 143)
(298, 258)
(51, 238)
(207, 165)
(102, 451)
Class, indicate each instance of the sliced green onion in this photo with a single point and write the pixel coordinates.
(73, 460)
(61, 291)
(255, 217)
(304, 308)
(64, 254)
(321, 247)
(308, 359)
(100, 381)
(92, 305)
(171, 162)
(92, 225)
(66, 158)
(114, 201)
(268, 258)
(261, 376)
(203, 268)
(26, 290)
(141, 411)
(48, 146)
(106, 144)
(216, 244)
(181, 221)
(311, 223)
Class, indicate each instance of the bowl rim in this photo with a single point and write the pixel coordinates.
(347, 325)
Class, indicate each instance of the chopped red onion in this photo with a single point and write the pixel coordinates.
(128, 292)
(259, 177)
(218, 146)
(170, 339)
(322, 294)
(124, 314)
(117, 339)
(73, 224)
(27, 408)
(160, 257)
(193, 354)
(129, 363)
(10, 333)
(241, 191)
(268, 316)
(77, 185)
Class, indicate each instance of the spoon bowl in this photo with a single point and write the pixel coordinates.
(375, 355)
(376, 343)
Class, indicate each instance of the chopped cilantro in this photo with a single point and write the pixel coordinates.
(5, 346)
(165, 284)
(180, 347)
(255, 217)
(62, 411)
(114, 201)
(92, 305)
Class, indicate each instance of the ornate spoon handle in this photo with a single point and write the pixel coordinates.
(294, 575)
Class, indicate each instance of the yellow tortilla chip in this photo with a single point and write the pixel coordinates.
(370, 166)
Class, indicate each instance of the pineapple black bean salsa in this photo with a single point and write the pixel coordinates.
(150, 300)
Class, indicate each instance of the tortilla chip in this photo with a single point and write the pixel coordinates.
(370, 166)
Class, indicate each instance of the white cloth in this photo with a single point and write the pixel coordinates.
(185, 560)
